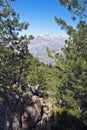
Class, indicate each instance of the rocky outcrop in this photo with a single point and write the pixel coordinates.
(24, 111)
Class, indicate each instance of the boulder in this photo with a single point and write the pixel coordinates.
(23, 111)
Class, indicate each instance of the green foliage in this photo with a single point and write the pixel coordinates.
(78, 7)
(1, 100)
(14, 53)
(72, 65)
(84, 116)
(66, 119)
(66, 80)
(69, 29)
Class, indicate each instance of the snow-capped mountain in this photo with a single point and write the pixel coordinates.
(39, 44)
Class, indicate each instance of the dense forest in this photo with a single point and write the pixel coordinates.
(65, 82)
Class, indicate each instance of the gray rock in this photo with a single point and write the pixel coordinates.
(23, 112)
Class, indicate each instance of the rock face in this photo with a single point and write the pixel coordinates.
(24, 112)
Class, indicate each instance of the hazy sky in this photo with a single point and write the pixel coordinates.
(40, 15)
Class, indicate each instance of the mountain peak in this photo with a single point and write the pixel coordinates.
(53, 41)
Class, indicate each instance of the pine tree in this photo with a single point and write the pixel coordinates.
(72, 65)
(14, 53)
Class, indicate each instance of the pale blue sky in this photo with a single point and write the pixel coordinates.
(40, 15)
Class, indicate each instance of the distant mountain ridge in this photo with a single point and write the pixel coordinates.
(39, 44)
